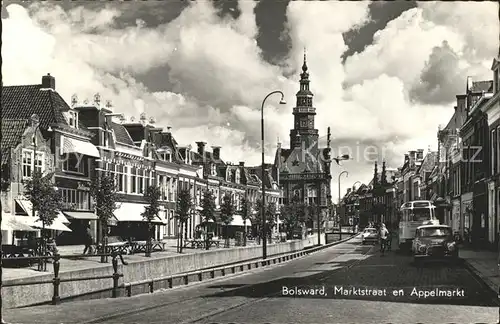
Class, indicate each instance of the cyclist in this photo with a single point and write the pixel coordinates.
(383, 234)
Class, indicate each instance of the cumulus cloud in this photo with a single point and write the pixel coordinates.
(387, 99)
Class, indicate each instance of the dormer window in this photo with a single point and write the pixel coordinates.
(166, 156)
(213, 170)
(237, 176)
(73, 118)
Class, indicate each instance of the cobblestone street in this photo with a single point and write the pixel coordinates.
(257, 297)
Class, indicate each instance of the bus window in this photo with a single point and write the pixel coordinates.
(421, 214)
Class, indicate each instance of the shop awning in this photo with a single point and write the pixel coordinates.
(72, 145)
(36, 223)
(81, 215)
(28, 209)
(130, 212)
(238, 221)
(12, 223)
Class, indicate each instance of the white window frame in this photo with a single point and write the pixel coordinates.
(66, 166)
(78, 198)
(32, 164)
(73, 118)
(140, 181)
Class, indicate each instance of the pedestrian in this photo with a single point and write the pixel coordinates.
(383, 234)
(89, 240)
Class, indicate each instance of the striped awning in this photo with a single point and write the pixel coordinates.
(72, 145)
(27, 206)
(15, 223)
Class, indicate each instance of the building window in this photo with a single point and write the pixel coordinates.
(493, 152)
(133, 180)
(73, 163)
(73, 118)
(75, 199)
(120, 178)
(498, 149)
(140, 181)
(29, 164)
(237, 176)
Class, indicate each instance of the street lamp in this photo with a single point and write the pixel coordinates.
(355, 183)
(340, 223)
(263, 207)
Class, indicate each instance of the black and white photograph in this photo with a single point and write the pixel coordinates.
(240, 161)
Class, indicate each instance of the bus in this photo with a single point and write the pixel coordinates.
(414, 214)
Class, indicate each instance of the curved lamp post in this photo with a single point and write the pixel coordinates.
(263, 207)
(354, 184)
(340, 223)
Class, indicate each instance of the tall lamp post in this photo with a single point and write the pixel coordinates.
(263, 207)
(340, 222)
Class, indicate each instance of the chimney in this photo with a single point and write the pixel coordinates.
(461, 103)
(216, 152)
(201, 148)
(407, 158)
(242, 164)
(169, 129)
(420, 154)
(48, 82)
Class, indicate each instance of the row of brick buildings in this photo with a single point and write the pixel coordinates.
(76, 141)
(462, 177)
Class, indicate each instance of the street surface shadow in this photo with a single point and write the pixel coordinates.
(452, 285)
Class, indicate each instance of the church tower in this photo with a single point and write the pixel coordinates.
(304, 132)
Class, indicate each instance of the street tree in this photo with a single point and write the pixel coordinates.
(270, 217)
(152, 194)
(103, 191)
(45, 199)
(207, 212)
(257, 218)
(294, 216)
(246, 213)
(227, 209)
(184, 206)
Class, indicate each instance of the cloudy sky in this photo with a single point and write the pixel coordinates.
(384, 74)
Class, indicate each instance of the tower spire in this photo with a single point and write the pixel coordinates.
(304, 75)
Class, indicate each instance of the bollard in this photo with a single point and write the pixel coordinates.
(116, 275)
(200, 276)
(186, 280)
(56, 281)
(129, 290)
(242, 268)
(151, 286)
(249, 266)
(170, 282)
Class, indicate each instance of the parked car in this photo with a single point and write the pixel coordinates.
(370, 235)
(434, 242)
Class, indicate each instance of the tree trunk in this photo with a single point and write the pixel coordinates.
(226, 229)
(244, 232)
(44, 248)
(148, 242)
(104, 258)
(207, 239)
(180, 237)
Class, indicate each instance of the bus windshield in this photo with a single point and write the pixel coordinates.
(420, 214)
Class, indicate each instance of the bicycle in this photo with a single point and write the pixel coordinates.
(383, 245)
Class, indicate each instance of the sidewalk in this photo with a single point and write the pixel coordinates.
(75, 264)
(484, 265)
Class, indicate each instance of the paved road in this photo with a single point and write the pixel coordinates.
(257, 297)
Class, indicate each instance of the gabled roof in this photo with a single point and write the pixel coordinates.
(121, 134)
(297, 161)
(12, 132)
(21, 102)
(482, 86)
